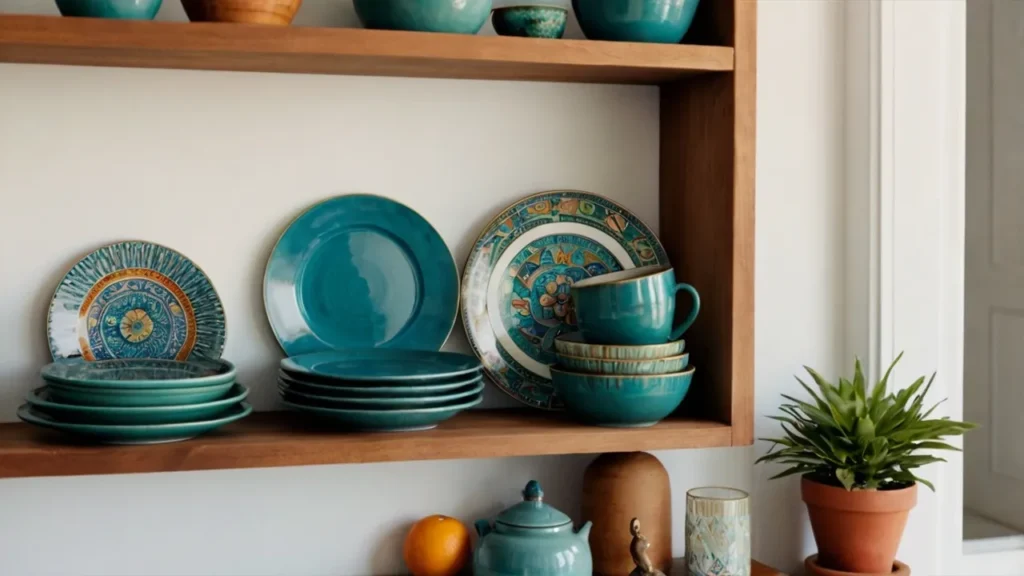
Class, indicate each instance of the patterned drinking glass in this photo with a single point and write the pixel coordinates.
(718, 532)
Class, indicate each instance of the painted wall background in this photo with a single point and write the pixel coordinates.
(216, 165)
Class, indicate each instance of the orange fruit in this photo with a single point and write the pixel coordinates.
(436, 546)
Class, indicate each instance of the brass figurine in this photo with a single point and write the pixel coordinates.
(638, 550)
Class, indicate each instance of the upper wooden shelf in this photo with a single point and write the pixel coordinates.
(294, 49)
(273, 439)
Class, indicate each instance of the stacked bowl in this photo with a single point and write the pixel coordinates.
(136, 401)
(381, 390)
(626, 366)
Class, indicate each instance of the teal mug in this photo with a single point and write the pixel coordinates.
(631, 307)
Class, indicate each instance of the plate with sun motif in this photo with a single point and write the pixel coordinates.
(515, 287)
(135, 300)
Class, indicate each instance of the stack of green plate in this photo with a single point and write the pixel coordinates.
(136, 401)
(382, 389)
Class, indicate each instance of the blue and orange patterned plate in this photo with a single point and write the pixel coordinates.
(515, 287)
(135, 300)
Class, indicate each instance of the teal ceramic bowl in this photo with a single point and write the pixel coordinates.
(120, 9)
(133, 434)
(572, 344)
(452, 16)
(377, 389)
(41, 400)
(298, 395)
(387, 420)
(621, 401)
(663, 21)
(530, 21)
(623, 367)
(91, 396)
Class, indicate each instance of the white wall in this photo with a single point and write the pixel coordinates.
(216, 164)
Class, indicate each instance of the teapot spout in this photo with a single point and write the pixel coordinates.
(483, 527)
(584, 531)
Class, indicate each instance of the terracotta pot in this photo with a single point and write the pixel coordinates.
(813, 569)
(857, 531)
(279, 12)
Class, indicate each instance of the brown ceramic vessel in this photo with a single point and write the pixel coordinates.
(278, 12)
(857, 531)
(813, 569)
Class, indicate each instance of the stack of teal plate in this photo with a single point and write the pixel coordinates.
(136, 401)
(382, 389)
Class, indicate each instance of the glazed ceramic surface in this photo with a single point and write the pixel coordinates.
(516, 284)
(664, 21)
(531, 538)
(621, 401)
(391, 420)
(572, 344)
(454, 16)
(371, 389)
(300, 396)
(360, 271)
(134, 434)
(594, 366)
(530, 21)
(140, 373)
(135, 300)
(633, 307)
(275, 12)
(120, 9)
(717, 532)
(43, 401)
(395, 366)
(93, 396)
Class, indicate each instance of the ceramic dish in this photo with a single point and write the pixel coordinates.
(621, 401)
(515, 287)
(92, 396)
(360, 271)
(145, 434)
(595, 366)
(43, 401)
(663, 21)
(572, 344)
(118, 9)
(450, 16)
(135, 300)
(388, 420)
(394, 366)
(298, 395)
(140, 373)
(377, 389)
(530, 21)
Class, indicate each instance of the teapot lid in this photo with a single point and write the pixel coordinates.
(532, 512)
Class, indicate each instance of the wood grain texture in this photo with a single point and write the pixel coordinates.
(273, 439)
(241, 47)
(756, 569)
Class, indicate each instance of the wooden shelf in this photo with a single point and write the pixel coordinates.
(294, 49)
(273, 439)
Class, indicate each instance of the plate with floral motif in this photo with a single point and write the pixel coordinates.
(515, 287)
(135, 300)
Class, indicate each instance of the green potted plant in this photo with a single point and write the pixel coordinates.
(856, 449)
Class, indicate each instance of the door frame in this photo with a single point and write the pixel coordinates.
(904, 215)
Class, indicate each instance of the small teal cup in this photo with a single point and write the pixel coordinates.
(632, 307)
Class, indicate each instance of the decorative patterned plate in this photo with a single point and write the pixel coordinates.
(360, 271)
(380, 365)
(135, 300)
(516, 282)
(140, 373)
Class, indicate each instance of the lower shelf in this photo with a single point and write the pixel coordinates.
(273, 439)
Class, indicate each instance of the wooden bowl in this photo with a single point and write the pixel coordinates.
(277, 12)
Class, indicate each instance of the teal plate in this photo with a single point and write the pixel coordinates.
(376, 389)
(381, 365)
(360, 271)
(121, 434)
(140, 373)
(135, 300)
(41, 400)
(387, 420)
(301, 396)
(91, 396)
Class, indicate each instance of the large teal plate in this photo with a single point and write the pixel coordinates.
(360, 271)
(515, 286)
(124, 434)
(387, 420)
(43, 400)
(378, 389)
(135, 300)
(140, 373)
(381, 365)
(93, 396)
(303, 396)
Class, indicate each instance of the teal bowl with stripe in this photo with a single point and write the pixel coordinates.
(623, 367)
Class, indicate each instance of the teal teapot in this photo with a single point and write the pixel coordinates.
(532, 538)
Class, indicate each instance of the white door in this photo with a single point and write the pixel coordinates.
(994, 279)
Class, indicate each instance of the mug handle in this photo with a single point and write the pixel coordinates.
(677, 333)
